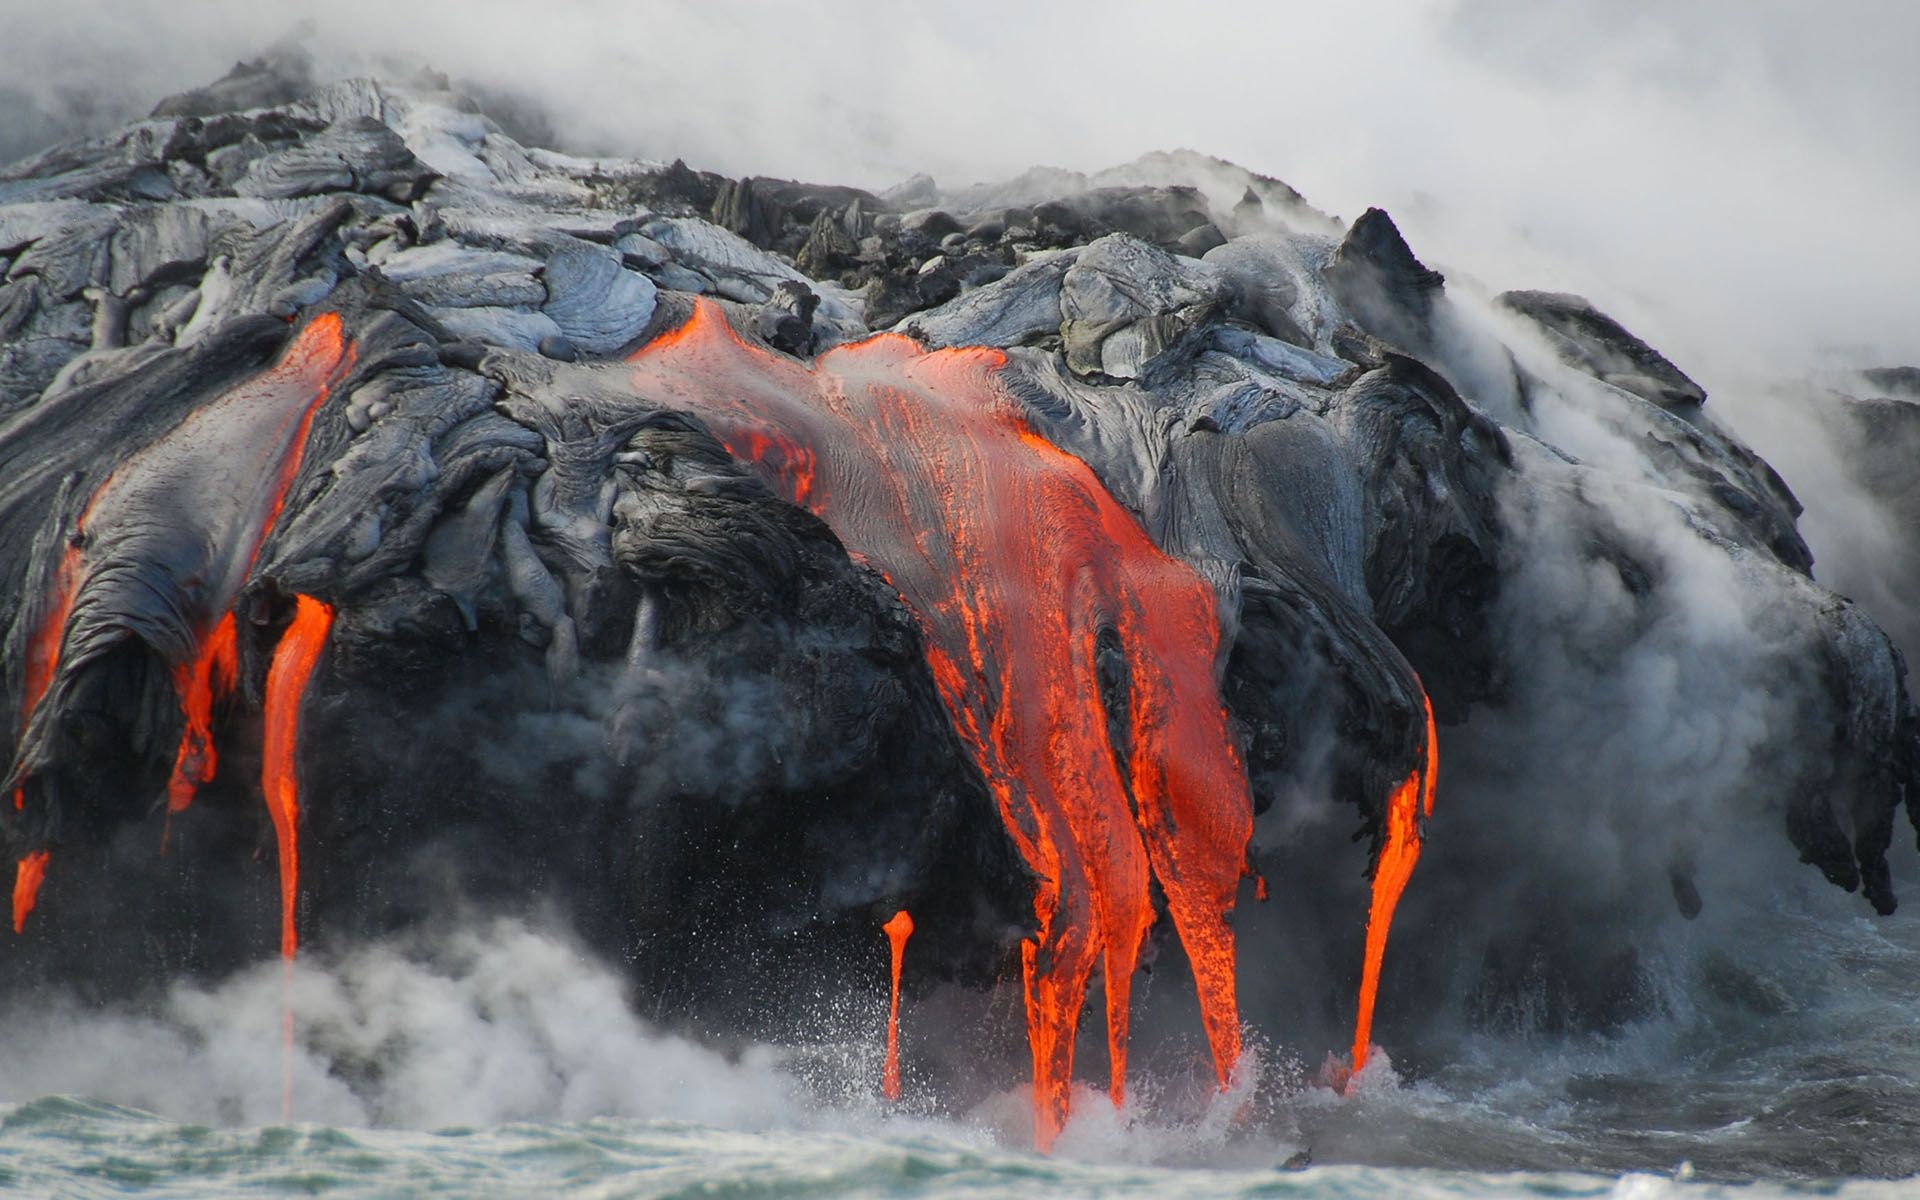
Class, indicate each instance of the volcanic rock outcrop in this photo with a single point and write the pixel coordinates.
(537, 527)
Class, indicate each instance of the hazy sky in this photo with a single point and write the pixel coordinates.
(1736, 179)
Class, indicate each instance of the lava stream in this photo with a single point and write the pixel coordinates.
(293, 662)
(26, 886)
(898, 930)
(222, 475)
(1015, 559)
(287, 677)
(209, 677)
(211, 673)
(43, 649)
(1410, 804)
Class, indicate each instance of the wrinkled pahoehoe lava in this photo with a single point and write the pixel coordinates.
(393, 517)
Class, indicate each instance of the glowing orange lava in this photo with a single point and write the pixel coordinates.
(898, 930)
(43, 648)
(293, 662)
(314, 360)
(1410, 804)
(26, 886)
(209, 677)
(1015, 558)
(246, 446)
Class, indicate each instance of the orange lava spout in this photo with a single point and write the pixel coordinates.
(1409, 805)
(287, 676)
(210, 676)
(1016, 560)
(26, 886)
(898, 930)
(293, 662)
(43, 648)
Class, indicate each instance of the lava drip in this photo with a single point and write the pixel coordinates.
(43, 658)
(898, 930)
(211, 676)
(1407, 810)
(1017, 561)
(293, 662)
(43, 651)
(26, 886)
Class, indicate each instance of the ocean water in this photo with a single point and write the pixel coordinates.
(67, 1147)
(507, 1064)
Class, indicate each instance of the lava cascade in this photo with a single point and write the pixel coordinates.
(898, 930)
(26, 886)
(287, 677)
(1016, 561)
(43, 650)
(243, 449)
(210, 676)
(1407, 810)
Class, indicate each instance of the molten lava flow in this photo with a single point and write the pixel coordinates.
(321, 350)
(222, 477)
(26, 886)
(898, 930)
(1015, 559)
(43, 648)
(1410, 804)
(293, 662)
(210, 676)
(287, 677)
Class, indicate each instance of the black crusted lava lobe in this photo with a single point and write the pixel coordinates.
(1390, 292)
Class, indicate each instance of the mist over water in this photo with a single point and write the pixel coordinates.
(498, 1059)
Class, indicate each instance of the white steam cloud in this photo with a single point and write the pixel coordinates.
(491, 1025)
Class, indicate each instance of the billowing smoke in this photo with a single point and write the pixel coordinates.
(1649, 728)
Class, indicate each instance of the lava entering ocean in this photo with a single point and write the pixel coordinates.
(1021, 568)
(1407, 812)
(1014, 625)
(898, 930)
